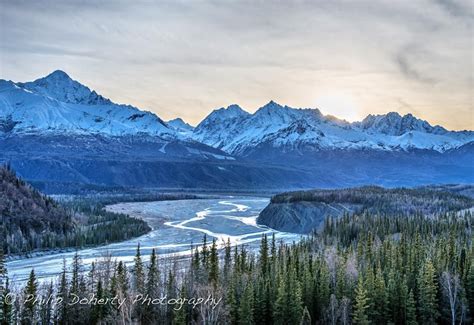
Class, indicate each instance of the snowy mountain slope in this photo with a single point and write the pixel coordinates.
(289, 129)
(58, 104)
(394, 124)
(220, 126)
(180, 126)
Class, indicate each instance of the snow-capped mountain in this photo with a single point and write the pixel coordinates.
(58, 104)
(180, 126)
(394, 124)
(220, 127)
(289, 129)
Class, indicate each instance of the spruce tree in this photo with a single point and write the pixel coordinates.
(152, 288)
(264, 255)
(98, 310)
(6, 307)
(180, 312)
(46, 307)
(75, 310)
(62, 308)
(29, 306)
(380, 299)
(205, 254)
(306, 318)
(213, 264)
(288, 305)
(361, 304)
(122, 278)
(246, 308)
(232, 301)
(153, 276)
(138, 273)
(411, 309)
(324, 287)
(427, 297)
(227, 260)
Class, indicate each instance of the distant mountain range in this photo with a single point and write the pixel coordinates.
(289, 129)
(55, 129)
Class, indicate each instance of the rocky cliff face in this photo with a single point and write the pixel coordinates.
(302, 217)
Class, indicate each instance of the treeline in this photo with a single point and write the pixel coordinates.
(365, 269)
(31, 221)
(86, 201)
(381, 200)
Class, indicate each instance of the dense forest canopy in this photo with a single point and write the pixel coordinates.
(379, 199)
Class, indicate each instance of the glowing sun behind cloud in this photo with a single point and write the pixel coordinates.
(340, 105)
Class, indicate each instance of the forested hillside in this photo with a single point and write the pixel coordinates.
(398, 200)
(32, 221)
(304, 211)
(364, 269)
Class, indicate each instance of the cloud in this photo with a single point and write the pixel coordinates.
(456, 8)
(182, 58)
(408, 67)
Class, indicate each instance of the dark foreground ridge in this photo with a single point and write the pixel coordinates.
(31, 221)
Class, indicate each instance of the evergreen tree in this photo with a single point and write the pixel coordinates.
(246, 308)
(29, 305)
(264, 255)
(122, 279)
(288, 305)
(6, 307)
(324, 287)
(306, 318)
(361, 304)
(232, 300)
(180, 313)
(227, 260)
(75, 310)
(92, 278)
(380, 299)
(98, 310)
(411, 309)
(213, 264)
(46, 307)
(139, 282)
(152, 288)
(205, 253)
(138, 273)
(62, 308)
(263, 309)
(427, 297)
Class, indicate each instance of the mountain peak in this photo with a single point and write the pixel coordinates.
(58, 85)
(393, 123)
(231, 111)
(179, 125)
(235, 108)
(58, 74)
(272, 104)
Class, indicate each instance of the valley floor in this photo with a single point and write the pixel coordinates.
(176, 226)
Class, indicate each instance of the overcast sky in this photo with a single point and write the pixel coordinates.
(348, 58)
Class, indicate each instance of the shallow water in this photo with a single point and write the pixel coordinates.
(176, 225)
